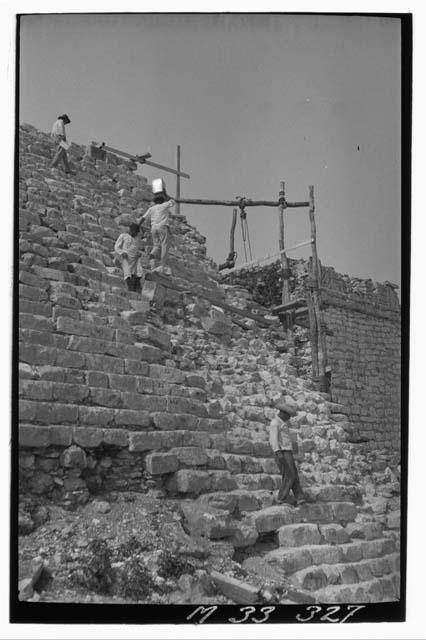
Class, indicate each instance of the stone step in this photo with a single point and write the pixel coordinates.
(91, 437)
(386, 589)
(318, 577)
(276, 518)
(292, 559)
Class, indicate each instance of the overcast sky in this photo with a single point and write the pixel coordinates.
(252, 100)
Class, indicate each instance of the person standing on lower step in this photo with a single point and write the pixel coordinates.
(280, 441)
(129, 252)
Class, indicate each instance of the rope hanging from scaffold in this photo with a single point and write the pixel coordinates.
(245, 234)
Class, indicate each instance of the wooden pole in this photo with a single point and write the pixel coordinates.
(285, 293)
(232, 233)
(178, 180)
(285, 296)
(315, 288)
(313, 332)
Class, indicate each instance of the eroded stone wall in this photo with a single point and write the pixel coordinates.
(364, 351)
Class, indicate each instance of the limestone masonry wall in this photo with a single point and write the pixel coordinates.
(364, 351)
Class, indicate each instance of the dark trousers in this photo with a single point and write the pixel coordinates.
(134, 284)
(290, 476)
(60, 156)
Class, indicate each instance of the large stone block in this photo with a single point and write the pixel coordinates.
(351, 552)
(104, 363)
(152, 335)
(245, 535)
(34, 436)
(35, 389)
(172, 439)
(170, 421)
(167, 374)
(147, 352)
(320, 512)
(161, 463)
(236, 590)
(55, 413)
(344, 512)
(364, 530)
(186, 405)
(61, 435)
(211, 425)
(222, 481)
(334, 533)
(75, 359)
(88, 437)
(220, 500)
(73, 393)
(122, 382)
(311, 578)
(72, 457)
(105, 397)
(297, 535)
(129, 418)
(204, 520)
(37, 323)
(190, 456)
(326, 554)
(39, 355)
(188, 481)
(145, 440)
(116, 437)
(136, 367)
(272, 518)
(148, 403)
(96, 416)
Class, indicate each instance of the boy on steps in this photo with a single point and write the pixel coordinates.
(129, 252)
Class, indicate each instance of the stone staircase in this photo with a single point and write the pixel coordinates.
(164, 392)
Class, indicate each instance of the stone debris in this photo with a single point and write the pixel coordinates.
(236, 590)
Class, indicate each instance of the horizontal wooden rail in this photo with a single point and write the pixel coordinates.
(272, 256)
(287, 306)
(142, 159)
(240, 203)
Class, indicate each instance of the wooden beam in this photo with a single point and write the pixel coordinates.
(292, 304)
(243, 202)
(168, 283)
(142, 159)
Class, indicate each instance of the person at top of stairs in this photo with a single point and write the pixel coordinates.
(58, 135)
(280, 441)
(159, 215)
(128, 251)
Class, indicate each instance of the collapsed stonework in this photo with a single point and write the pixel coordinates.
(170, 392)
(363, 320)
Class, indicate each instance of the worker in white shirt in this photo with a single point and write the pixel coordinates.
(280, 441)
(58, 134)
(128, 250)
(159, 216)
